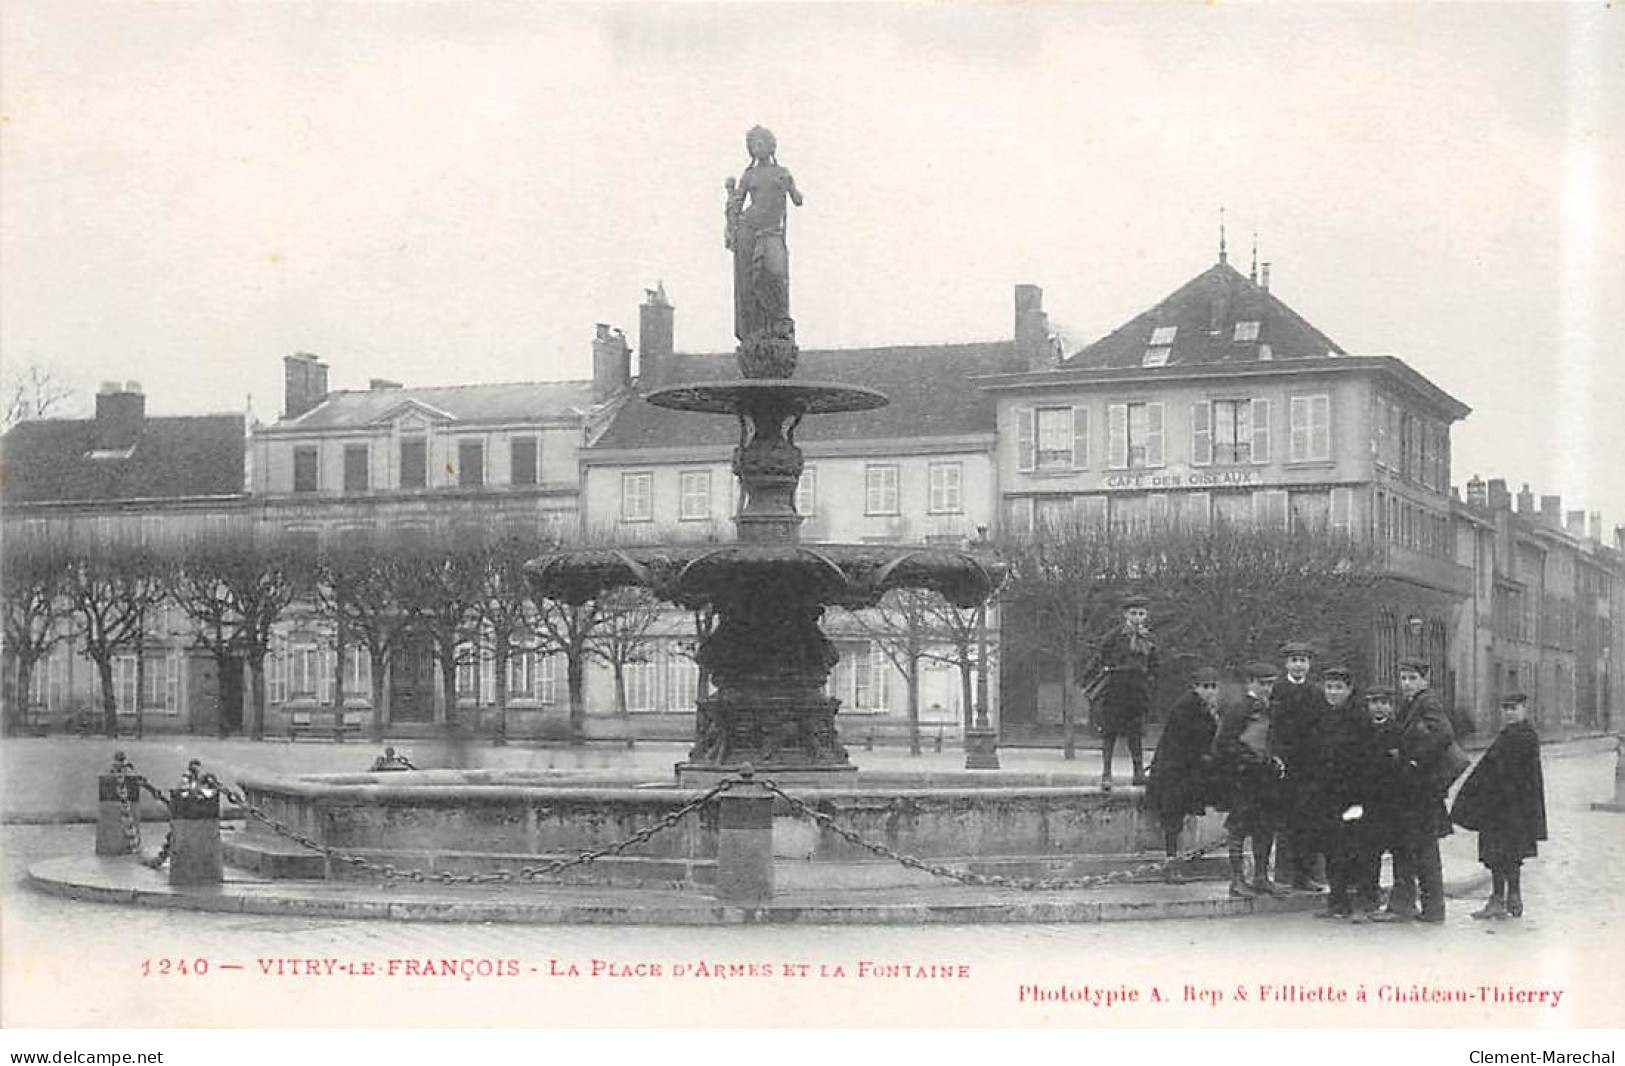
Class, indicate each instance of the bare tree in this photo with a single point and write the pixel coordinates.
(31, 391)
(111, 588)
(33, 584)
(504, 613)
(904, 625)
(568, 629)
(623, 634)
(444, 593)
(959, 639)
(370, 593)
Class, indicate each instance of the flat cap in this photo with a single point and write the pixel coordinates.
(1337, 673)
(1380, 692)
(1509, 699)
(1133, 599)
(1204, 675)
(1421, 666)
(1258, 668)
(1297, 647)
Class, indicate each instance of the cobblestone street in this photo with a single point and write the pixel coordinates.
(81, 964)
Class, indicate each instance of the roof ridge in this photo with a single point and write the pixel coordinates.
(464, 385)
(870, 348)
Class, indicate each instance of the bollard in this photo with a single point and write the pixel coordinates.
(112, 836)
(194, 826)
(745, 846)
(1617, 804)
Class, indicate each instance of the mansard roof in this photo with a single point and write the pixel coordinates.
(513, 402)
(66, 459)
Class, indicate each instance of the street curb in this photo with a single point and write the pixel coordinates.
(109, 881)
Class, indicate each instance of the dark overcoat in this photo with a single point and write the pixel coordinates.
(1299, 717)
(1424, 734)
(1182, 771)
(1129, 663)
(1504, 798)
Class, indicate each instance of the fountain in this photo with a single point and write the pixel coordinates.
(769, 662)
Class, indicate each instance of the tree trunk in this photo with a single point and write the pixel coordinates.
(338, 678)
(380, 681)
(104, 671)
(140, 676)
(256, 688)
(17, 707)
(913, 676)
(576, 678)
(967, 688)
(447, 705)
(502, 654)
(619, 669)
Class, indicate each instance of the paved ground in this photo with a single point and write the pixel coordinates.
(80, 964)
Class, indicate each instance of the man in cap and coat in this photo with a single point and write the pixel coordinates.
(1353, 767)
(1181, 777)
(1427, 752)
(1243, 749)
(1371, 789)
(1298, 714)
(1127, 664)
(1504, 799)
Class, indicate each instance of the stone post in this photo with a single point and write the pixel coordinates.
(982, 740)
(745, 846)
(1617, 804)
(111, 837)
(194, 854)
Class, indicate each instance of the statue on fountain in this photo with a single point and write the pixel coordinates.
(755, 235)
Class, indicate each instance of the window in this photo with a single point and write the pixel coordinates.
(1379, 436)
(694, 495)
(1232, 508)
(547, 676)
(124, 683)
(1163, 336)
(863, 684)
(521, 674)
(276, 678)
(414, 463)
(1310, 428)
(355, 468)
(1134, 435)
(303, 669)
(1342, 510)
(640, 685)
(1054, 514)
(1270, 509)
(522, 465)
(1130, 513)
(468, 674)
(637, 497)
(304, 470)
(357, 672)
(162, 685)
(1230, 432)
(1247, 331)
(945, 488)
(880, 488)
(470, 464)
(1156, 357)
(683, 683)
(1311, 511)
(807, 492)
(1052, 438)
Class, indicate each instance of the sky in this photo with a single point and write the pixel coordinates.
(442, 193)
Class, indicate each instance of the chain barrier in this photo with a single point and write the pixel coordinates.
(126, 814)
(827, 822)
(544, 873)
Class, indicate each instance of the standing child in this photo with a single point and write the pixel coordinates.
(1181, 779)
(1244, 751)
(1504, 799)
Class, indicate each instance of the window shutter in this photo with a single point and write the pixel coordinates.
(1117, 435)
(1080, 437)
(1153, 434)
(1298, 428)
(1342, 519)
(1320, 427)
(1026, 439)
(1261, 431)
(1202, 433)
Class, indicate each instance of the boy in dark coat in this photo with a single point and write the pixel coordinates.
(1244, 752)
(1128, 661)
(1425, 737)
(1504, 799)
(1350, 745)
(1181, 779)
(1378, 797)
(1298, 715)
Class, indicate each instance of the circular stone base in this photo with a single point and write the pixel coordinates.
(692, 776)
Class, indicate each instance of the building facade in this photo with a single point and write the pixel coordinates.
(1222, 405)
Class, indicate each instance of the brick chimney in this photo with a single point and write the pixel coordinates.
(1264, 277)
(120, 412)
(1526, 501)
(1477, 495)
(304, 383)
(1500, 498)
(655, 336)
(1596, 527)
(382, 384)
(1033, 347)
(611, 362)
(1575, 523)
(1551, 511)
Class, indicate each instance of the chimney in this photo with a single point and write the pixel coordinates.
(655, 334)
(1551, 511)
(1264, 277)
(120, 411)
(1575, 523)
(1500, 498)
(611, 363)
(1033, 348)
(304, 383)
(1526, 501)
(1477, 496)
(1596, 527)
(382, 384)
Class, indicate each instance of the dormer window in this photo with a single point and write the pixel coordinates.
(1156, 357)
(1247, 331)
(1163, 336)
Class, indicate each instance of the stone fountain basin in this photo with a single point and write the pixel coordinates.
(465, 821)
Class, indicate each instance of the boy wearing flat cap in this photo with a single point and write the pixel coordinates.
(1181, 778)
(1244, 749)
(1299, 716)
(1354, 767)
(1128, 660)
(1427, 766)
(1504, 799)
(1374, 804)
